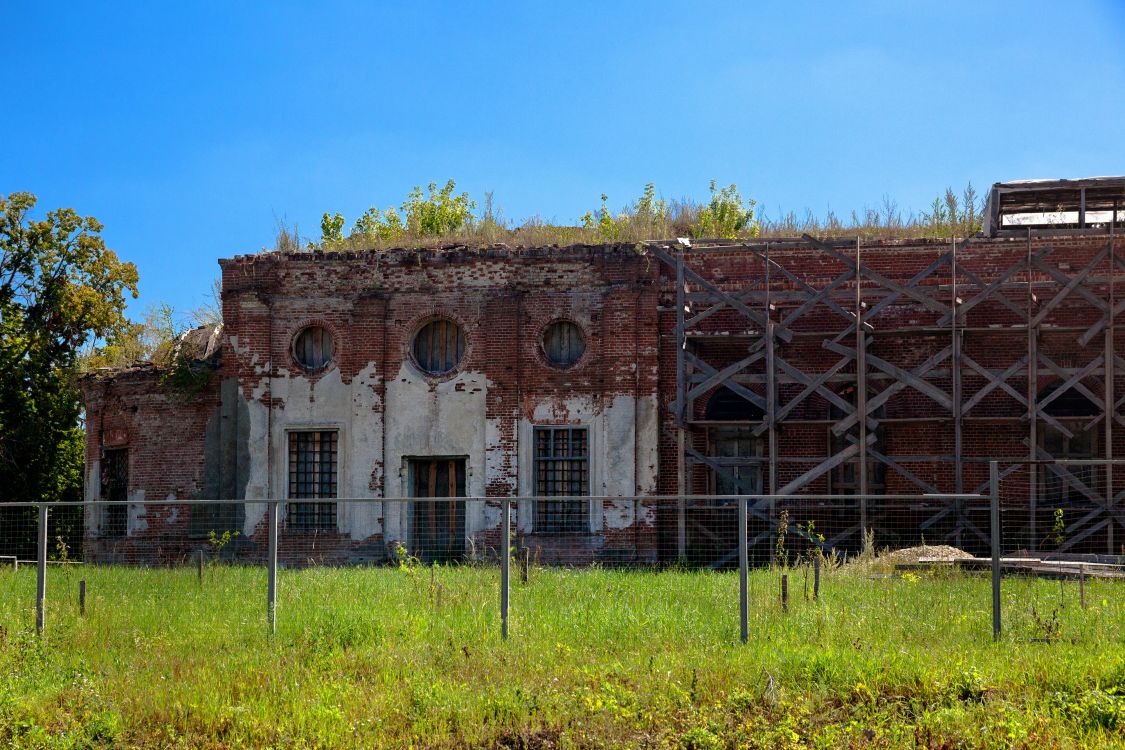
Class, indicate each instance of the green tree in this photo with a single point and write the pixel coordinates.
(60, 289)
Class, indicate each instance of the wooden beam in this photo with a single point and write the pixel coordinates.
(999, 282)
(995, 380)
(955, 366)
(741, 390)
(1073, 284)
(823, 467)
(861, 386)
(904, 379)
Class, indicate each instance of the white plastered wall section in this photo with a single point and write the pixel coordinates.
(443, 418)
(623, 453)
(322, 403)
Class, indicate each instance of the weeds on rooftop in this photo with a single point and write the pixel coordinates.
(441, 216)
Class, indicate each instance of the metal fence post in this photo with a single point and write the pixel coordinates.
(743, 574)
(41, 573)
(994, 496)
(505, 563)
(271, 585)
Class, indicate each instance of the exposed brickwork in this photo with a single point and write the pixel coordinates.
(624, 302)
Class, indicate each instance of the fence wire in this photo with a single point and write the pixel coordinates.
(287, 563)
(1060, 525)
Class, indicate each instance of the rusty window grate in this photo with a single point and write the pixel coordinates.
(312, 474)
(562, 468)
(438, 346)
(563, 343)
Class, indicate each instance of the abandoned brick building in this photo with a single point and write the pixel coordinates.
(631, 376)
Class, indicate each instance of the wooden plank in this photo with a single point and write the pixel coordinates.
(681, 385)
(812, 385)
(718, 377)
(979, 283)
(903, 380)
(1064, 280)
(955, 366)
(746, 393)
(1071, 380)
(1073, 284)
(813, 296)
(1109, 412)
(994, 381)
(996, 285)
(861, 386)
(823, 467)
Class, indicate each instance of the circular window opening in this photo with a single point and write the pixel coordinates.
(563, 343)
(313, 347)
(439, 346)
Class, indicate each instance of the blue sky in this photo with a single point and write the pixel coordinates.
(189, 131)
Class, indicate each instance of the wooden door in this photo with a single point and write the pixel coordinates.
(438, 525)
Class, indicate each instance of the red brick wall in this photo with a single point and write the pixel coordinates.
(625, 303)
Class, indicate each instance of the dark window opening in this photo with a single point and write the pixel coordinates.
(312, 474)
(844, 479)
(438, 525)
(313, 347)
(563, 343)
(562, 469)
(1074, 411)
(732, 445)
(725, 405)
(115, 489)
(439, 346)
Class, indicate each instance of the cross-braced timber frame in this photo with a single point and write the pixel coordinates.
(959, 335)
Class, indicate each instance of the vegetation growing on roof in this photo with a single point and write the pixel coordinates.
(444, 217)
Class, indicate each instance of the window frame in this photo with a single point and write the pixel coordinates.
(306, 510)
(115, 513)
(546, 352)
(461, 339)
(574, 516)
(304, 329)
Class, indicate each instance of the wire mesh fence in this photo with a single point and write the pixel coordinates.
(1060, 523)
(257, 560)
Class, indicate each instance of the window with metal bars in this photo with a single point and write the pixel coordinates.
(562, 468)
(312, 474)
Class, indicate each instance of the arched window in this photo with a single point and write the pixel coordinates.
(438, 346)
(725, 405)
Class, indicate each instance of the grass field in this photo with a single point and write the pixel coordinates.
(392, 658)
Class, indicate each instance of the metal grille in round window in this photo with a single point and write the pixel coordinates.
(563, 343)
(312, 348)
(439, 346)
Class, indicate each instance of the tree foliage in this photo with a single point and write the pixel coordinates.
(60, 288)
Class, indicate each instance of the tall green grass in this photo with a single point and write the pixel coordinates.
(597, 658)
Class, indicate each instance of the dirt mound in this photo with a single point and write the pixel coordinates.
(929, 552)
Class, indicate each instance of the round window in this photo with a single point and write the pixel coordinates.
(438, 346)
(563, 343)
(313, 347)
